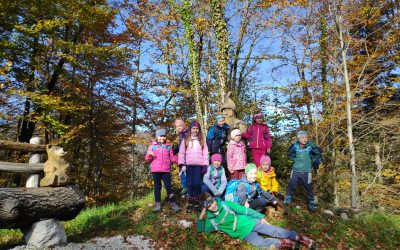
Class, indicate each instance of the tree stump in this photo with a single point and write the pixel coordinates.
(20, 207)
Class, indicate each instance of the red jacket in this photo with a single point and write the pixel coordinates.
(258, 136)
(163, 157)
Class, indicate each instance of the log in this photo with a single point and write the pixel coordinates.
(20, 207)
(22, 146)
(21, 167)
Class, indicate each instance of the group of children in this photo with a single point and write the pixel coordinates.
(251, 186)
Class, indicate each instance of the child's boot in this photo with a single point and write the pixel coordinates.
(307, 242)
(175, 206)
(288, 200)
(288, 244)
(311, 207)
(196, 206)
(189, 207)
(157, 207)
(184, 191)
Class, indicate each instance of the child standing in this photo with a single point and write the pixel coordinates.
(305, 155)
(160, 156)
(246, 224)
(266, 176)
(193, 154)
(180, 128)
(217, 137)
(236, 155)
(214, 181)
(259, 138)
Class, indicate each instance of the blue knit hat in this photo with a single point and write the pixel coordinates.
(161, 132)
(219, 117)
(301, 133)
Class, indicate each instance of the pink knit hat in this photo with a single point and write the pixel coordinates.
(216, 157)
(265, 158)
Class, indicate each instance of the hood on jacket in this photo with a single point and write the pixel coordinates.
(157, 143)
(225, 127)
(269, 173)
(237, 144)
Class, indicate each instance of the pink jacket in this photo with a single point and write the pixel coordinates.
(163, 157)
(236, 156)
(258, 136)
(194, 154)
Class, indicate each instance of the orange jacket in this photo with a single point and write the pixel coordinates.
(267, 180)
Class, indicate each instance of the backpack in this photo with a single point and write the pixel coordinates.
(230, 194)
(227, 211)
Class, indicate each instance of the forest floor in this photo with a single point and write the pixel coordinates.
(135, 217)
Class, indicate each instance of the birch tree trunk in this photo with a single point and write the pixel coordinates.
(343, 50)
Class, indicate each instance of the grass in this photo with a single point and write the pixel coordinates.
(370, 231)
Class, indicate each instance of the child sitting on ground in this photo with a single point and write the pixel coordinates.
(160, 155)
(246, 224)
(214, 181)
(266, 177)
(305, 156)
(249, 192)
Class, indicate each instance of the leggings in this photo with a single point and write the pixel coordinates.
(193, 180)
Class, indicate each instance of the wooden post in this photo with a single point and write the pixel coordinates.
(33, 179)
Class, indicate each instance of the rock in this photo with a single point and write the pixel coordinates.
(46, 233)
(328, 212)
(298, 207)
(344, 216)
(185, 223)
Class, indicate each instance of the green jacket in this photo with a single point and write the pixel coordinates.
(305, 158)
(246, 219)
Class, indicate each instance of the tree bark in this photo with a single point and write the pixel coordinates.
(20, 207)
(21, 167)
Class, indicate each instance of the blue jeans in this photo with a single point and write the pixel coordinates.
(182, 177)
(258, 204)
(255, 239)
(305, 179)
(193, 180)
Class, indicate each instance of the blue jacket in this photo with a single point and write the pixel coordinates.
(306, 157)
(216, 138)
(244, 193)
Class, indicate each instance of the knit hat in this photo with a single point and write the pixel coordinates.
(216, 157)
(235, 132)
(219, 117)
(161, 132)
(265, 158)
(257, 115)
(194, 124)
(249, 167)
(301, 133)
(208, 201)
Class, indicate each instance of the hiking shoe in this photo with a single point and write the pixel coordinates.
(189, 207)
(175, 207)
(288, 200)
(311, 207)
(288, 244)
(307, 242)
(157, 207)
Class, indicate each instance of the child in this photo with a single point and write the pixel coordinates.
(193, 154)
(217, 137)
(246, 224)
(214, 181)
(180, 128)
(259, 138)
(236, 155)
(305, 154)
(160, 156)
(249, 192)
(266, 176)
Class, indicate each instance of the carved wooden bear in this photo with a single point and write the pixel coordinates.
(56, 168)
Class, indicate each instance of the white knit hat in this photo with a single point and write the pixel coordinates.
(235, 133)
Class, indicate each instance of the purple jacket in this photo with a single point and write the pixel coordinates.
(163, 157)
(258, 136)
(194, 154)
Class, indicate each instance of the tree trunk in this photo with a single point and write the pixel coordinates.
(20, 207)
(338, 22)
(378, 162)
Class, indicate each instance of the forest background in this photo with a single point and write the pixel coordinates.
(97, 77)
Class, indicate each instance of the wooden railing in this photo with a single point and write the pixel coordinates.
(35, 165)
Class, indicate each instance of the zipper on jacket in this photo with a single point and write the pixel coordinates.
(258, 132)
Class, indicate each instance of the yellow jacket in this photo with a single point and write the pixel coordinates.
(268, 180)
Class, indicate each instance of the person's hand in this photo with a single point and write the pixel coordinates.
(268, 150)
(217, 193)
(246, 204)
(264, 221)
(151, 153)
(183, 169)
(275, 203)
(232, 172)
